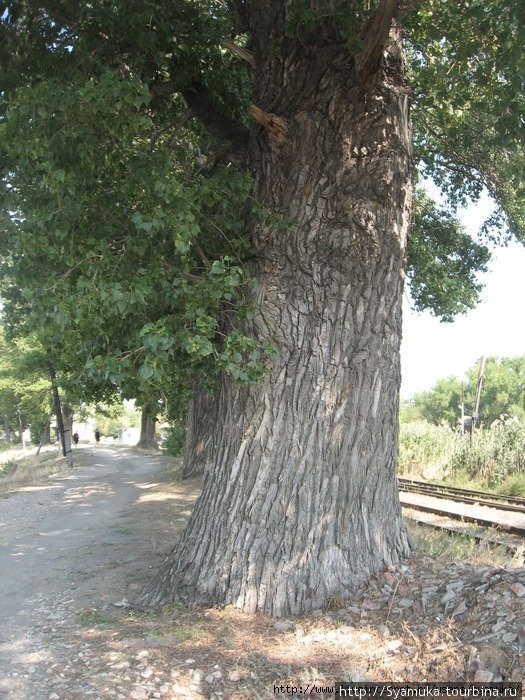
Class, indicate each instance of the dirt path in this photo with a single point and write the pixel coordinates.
(75, 544)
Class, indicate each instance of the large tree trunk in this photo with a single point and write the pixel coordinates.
(201, 413)
(300, 504)
(7, 430)
(148, 420)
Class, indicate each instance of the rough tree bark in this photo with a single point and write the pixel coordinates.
(148, 420)
(67, 415)
(300, 504)
(201, 411)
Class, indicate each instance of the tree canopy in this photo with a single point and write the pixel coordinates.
(124, 129)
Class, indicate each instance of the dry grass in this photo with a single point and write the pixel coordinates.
(30, 470)
(253, 657)
(455, 547)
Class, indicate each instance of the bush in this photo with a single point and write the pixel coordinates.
(175, 441)
(495, 457)
(426, 449)
(513, 485)
(495, 454)
(8, 468)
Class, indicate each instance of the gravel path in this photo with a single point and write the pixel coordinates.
(79, 540)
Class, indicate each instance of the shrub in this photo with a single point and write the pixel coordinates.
(426, 449)
(513, 485)
(495, 455)
(175, 440)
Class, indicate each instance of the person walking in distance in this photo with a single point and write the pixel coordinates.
(75, 438)
(97, 436)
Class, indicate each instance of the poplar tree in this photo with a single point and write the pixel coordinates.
(221, 193)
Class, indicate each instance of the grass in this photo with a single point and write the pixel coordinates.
(455, 547)
(123, 530)
(494, 460)
(425, 450)
(91, 618)
(513, 485)
(191, 634)
(29, 470)
(8, 468)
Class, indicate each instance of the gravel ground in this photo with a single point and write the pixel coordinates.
(83, 539)
(81, 542)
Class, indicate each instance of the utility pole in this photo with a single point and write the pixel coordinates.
(462, 408)
(479, 386)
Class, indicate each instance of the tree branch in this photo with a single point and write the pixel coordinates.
(274, 125)
(238, 51)
(202, 255)
(375, 37)
(408, 6)
(217, 123)
(204, 108)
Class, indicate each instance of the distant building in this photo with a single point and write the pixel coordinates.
(129, 436)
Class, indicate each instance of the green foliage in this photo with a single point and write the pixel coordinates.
(409, 412)
(306, 18)
(7, 468)
(503, 389)
(493, 459)
(175, 441)
(443, 261)
(25, 389)
(426, 449)
(467, 67)
(147, 238)
(442, 404)
(513, 485)
(495, 454)
(503, 394)
(109, 419)
(125, 222)
(122, 249)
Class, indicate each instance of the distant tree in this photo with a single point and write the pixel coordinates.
(25, 388)
(109, 418)
(409, 412)
(503, 389)
(442, 404)
(503, 394)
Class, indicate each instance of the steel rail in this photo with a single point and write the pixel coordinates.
(502, 502)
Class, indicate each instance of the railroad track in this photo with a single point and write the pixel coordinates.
(451, 493)
(445, 507)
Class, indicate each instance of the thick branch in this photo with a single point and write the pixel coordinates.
(201, 254)
(375, 38)
(204, 108)
(408, 6)
(217, 123)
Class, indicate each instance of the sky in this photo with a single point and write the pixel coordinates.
(432, 350)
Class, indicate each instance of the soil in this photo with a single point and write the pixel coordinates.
(78, 547)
